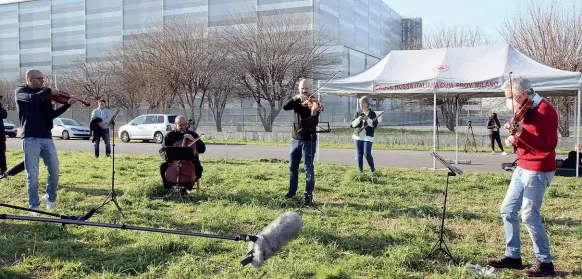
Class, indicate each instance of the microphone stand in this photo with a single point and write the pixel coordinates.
(112, 197)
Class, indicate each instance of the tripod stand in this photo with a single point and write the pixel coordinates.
(470, 139)
(112, 197)
(441, 246)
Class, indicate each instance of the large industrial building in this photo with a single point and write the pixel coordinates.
(49, 34)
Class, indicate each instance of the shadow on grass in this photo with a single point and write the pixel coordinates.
(5, 273)
(361, 244)
(103, 192)
(59, 246)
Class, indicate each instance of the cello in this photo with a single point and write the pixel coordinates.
(182, 171)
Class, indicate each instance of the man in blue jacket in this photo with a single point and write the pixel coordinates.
(36, 116)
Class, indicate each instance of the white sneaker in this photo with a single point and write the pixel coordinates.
(504, 153)
(34, 214)
(493, 153)
(49, 205)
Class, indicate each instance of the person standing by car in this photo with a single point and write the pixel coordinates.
(105, 115)
(3, 115)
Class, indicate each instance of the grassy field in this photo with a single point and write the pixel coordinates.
(377, 146)
(374, 226)
(397, 131)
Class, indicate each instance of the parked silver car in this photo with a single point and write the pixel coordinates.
(148, 127)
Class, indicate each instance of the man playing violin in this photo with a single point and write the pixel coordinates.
(305, 121)
(180, 133)
(536, 138)
(36, 116)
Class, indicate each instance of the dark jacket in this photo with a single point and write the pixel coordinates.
(304, 124)
(96, 131)
(570, 162)
(175, 136)
(3, 115)
(35, 113)
(492, 123)
(369, 130)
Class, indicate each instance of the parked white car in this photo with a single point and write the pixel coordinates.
(9, 129)
(66, 128)
(148, 127)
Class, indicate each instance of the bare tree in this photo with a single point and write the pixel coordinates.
(223, 90)
(89, 79)
(551, 35)
(450, 37)
(269, 54)
(7, 88)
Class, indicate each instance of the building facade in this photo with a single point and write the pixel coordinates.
(50, 34)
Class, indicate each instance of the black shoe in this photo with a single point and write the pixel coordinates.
(308, 199)
(505, 262)
(288, 196)
(540, 269)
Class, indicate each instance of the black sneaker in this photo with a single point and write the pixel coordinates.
(288, 196)
(505, 262)
(308, 199)
(540, 269)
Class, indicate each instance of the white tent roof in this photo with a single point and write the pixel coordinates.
(469, 72)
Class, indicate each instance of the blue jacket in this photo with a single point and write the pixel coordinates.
(35, 113)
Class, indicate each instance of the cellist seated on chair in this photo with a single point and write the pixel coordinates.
(177, 135)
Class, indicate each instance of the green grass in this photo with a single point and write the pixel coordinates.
(377, 225)
(377, 146)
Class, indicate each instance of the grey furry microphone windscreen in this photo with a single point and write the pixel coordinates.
(272, 239)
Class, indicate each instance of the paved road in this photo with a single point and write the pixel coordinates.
(382, 158)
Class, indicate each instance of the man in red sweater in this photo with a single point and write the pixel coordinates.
(536, 142)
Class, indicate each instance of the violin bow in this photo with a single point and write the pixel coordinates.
(324, 84)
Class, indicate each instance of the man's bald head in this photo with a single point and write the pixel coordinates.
(34, 79)
(181, 123)
(304, 86)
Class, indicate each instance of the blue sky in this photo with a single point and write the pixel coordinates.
(487, 14)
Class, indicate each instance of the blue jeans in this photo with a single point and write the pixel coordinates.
(35, 148)
(106, 138)
(364, 149)
(299, 149)
(526, 192)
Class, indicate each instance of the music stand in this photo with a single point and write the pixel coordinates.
(178, 153)
(453, 171)
(112, 197)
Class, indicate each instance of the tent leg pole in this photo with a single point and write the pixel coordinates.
(578, 131)
(457, 131)
(434, 130)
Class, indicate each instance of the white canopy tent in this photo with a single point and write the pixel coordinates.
(469, 72)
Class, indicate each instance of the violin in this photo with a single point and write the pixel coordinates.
(313, 100)
(182, 171)
(62, 97)
(520, 111)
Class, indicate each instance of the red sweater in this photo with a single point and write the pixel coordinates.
(536, 146)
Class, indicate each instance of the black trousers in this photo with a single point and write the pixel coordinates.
(495, 136)
(3, 167)
(164, 166)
